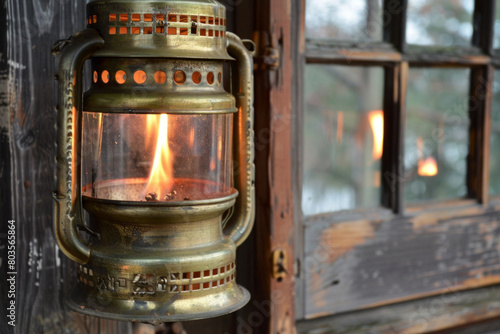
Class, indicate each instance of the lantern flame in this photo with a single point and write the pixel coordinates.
(376, 119)
(161, 177)
(427, 167)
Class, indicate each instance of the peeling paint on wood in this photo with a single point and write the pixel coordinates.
(399, 259)
(342, 238)
(451, 308)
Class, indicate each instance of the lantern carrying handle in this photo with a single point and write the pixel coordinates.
(239, 226)
(67, 196)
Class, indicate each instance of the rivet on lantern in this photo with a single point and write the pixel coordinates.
(148, 151)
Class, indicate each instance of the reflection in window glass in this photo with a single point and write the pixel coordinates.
(356, 20)
(495, 137)
(343, 132)
(496, 40)
(436, 134)
(440, 23)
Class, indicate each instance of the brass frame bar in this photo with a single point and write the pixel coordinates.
(240, 226)
(68, 197)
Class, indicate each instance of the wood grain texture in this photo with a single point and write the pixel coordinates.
(28, 139)
(441, 313)
(5, 166)
(274, 110)
(298, 152)
(281, 230)
(357, 263)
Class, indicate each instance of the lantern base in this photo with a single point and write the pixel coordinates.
(231, 299)
(158, 263)
(178, 285)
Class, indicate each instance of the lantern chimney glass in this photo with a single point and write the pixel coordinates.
(157, 157)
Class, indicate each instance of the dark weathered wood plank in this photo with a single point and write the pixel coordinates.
(451, 308)
(30, 29)
(483, 23)
(395, 23)
(5, 167)
(480, 103)
(479, 135)
(489, 326)
(364, 263)
(350, 53)
(375, 53)
(394, 123)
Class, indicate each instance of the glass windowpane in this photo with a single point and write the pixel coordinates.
(436, 134)
(343, 132)
(356, 20)
(495, 137)
(440, 23)
(496, 39)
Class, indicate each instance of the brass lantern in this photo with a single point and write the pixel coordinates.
(149, 151)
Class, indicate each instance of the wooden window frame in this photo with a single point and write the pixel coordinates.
(396, 57)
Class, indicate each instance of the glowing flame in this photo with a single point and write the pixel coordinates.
(161, 178)
(151, 127)
(427, 167)
(376, 119)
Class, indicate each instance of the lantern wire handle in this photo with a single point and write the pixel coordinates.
(239, 226)
(67, 196)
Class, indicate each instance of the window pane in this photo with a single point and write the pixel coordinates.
(357, 20)
(440, 23)
(437, 131)
(495, 137)
(342, 138)
(496, 40)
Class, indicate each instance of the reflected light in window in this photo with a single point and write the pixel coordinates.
(376, 119)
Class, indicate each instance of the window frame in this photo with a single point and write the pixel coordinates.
(396, 57)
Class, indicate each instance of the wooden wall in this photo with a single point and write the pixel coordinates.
(27, 113)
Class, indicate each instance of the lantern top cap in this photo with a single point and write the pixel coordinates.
(193, 29)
